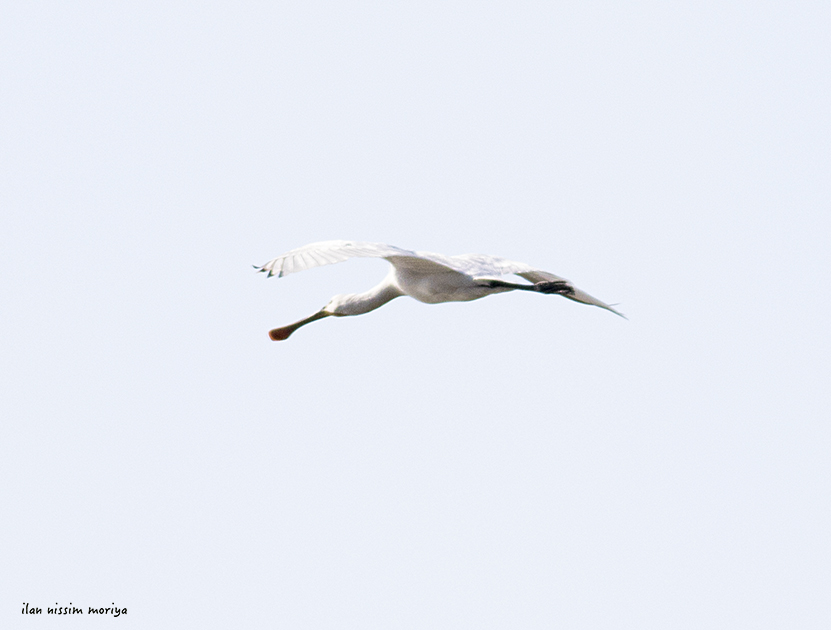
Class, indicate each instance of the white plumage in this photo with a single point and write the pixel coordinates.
(427, 277)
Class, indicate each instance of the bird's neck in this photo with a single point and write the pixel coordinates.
(360, 303)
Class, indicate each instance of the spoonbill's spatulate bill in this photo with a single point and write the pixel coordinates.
(429, 278)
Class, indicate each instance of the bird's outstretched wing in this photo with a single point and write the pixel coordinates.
(482, 265)
(330, 252)
(478, 265)
(576, 294)
(327, 253)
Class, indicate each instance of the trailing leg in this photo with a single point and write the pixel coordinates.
(557, 287)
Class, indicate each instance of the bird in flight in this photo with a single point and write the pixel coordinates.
(429, 278)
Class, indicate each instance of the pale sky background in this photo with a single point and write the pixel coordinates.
(517, 462)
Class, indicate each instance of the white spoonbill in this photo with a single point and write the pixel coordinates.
(429, 278)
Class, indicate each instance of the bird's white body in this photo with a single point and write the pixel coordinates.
(435, 288)
(424, 276)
